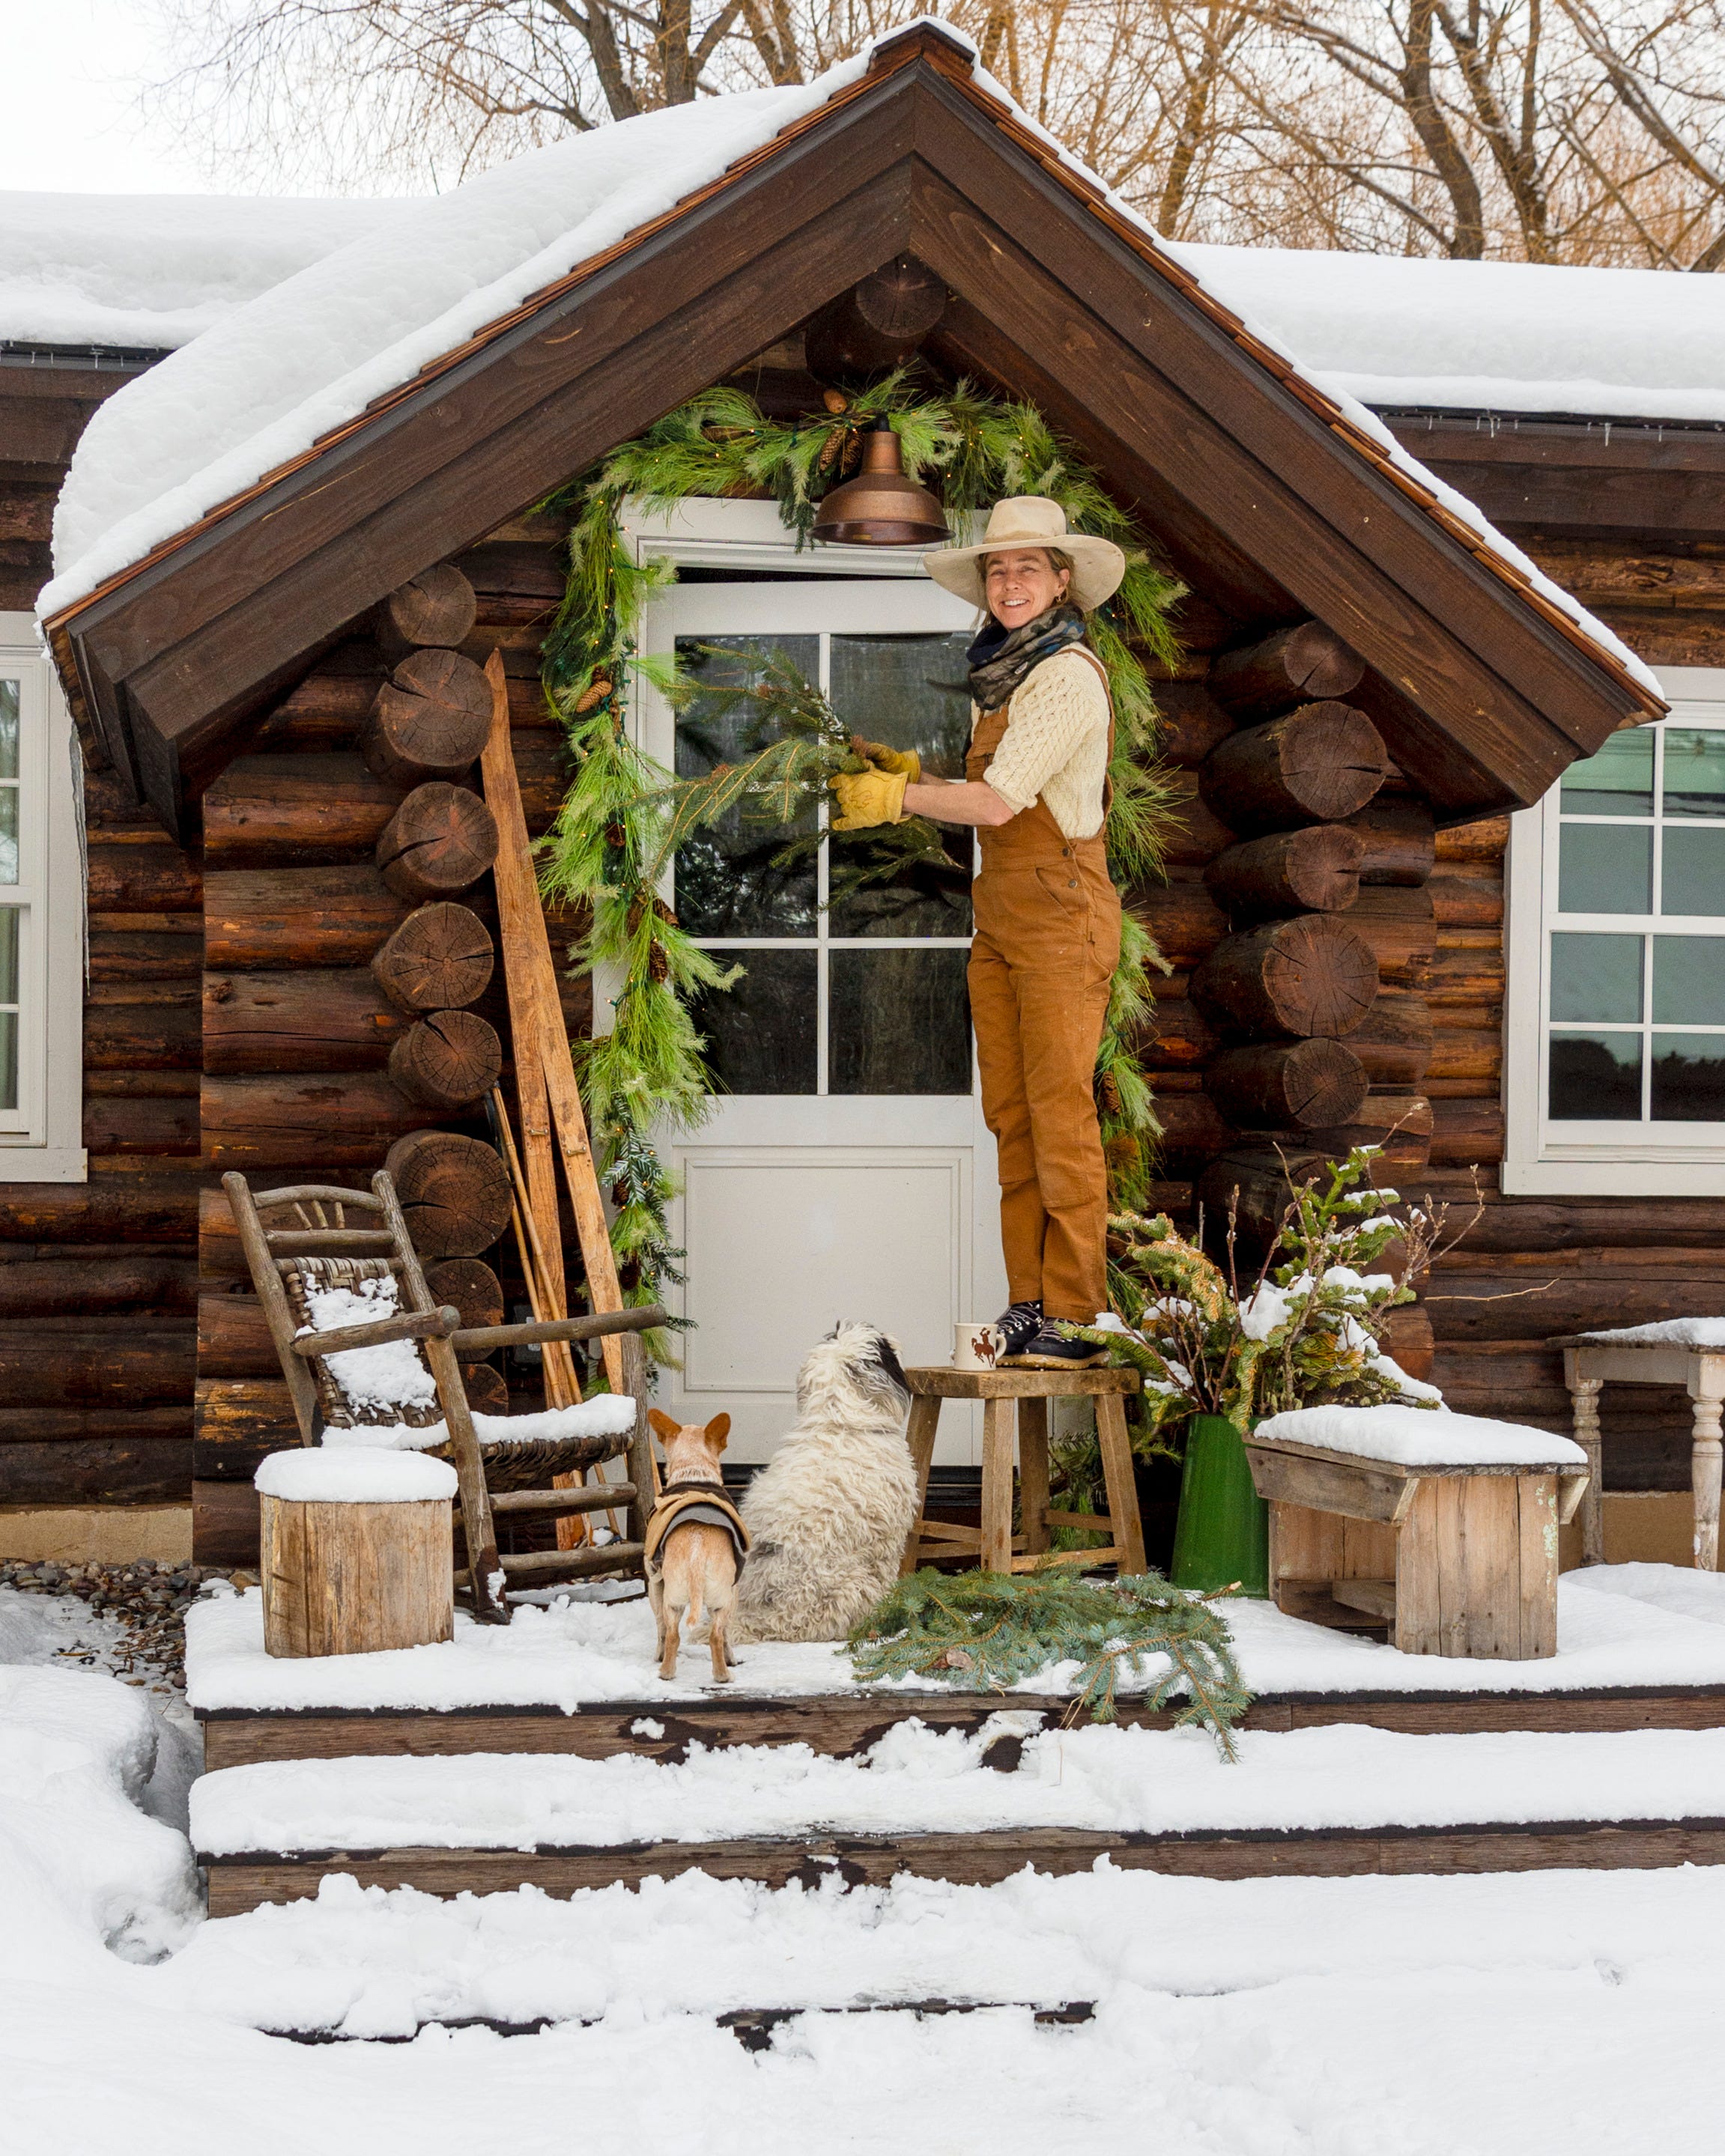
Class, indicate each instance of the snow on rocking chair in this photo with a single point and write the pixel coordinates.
(369, 1359)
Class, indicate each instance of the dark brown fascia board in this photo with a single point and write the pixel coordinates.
(1539, 654)
(1513, 742)
(144, 630)
(1627, 446)
(954, 65)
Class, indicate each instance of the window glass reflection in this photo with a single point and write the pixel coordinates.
(1597, 977)
(727, 884)
(1595, 1077)
(1617, 782)
(1605, 868)
(899, 1022)
(1688, 1078)
(762, 1033)
(1695, 774)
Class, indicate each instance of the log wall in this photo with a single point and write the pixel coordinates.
(1527, 1269)
(297, 1033)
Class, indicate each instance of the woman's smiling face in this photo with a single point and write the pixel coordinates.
(1021, 583)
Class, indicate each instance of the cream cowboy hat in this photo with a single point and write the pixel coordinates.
(1031, 520)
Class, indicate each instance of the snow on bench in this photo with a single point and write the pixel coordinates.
(1421, 1437)
(607, 1415)
(1668, 1332)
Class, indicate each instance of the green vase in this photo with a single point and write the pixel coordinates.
(1222, 1532)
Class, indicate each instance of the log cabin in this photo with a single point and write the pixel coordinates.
(236, 887)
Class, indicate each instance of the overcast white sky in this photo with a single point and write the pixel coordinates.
(72, 70)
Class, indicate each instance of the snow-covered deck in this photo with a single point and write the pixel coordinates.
(1620, 1628)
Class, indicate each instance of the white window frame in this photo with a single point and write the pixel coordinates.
(1668, 1160)
(42, 1141)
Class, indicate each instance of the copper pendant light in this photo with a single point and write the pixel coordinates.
(881, 506)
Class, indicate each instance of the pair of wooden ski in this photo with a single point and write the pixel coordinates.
(553, 1122)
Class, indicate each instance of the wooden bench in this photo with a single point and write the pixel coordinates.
(1591, 1361)
(1026, 1393)
(1457, 1559)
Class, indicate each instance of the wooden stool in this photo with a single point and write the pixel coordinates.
(995, 1547)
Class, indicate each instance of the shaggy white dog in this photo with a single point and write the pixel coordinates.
(828, 1514)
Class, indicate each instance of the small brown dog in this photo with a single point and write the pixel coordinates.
(695, 1541)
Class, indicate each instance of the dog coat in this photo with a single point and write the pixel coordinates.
(685, 1504)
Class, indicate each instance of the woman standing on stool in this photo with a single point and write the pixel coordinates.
(1047, 914)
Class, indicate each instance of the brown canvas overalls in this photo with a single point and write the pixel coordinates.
(1047, 941)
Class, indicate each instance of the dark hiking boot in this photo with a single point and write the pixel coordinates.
(1050, 1350)
(1020, 1323)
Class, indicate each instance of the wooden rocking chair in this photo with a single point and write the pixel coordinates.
(321, 1250)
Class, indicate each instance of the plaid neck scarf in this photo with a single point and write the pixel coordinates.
(1000, 658)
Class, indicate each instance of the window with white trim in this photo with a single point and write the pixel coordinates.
(41, 921)
(1615, 993)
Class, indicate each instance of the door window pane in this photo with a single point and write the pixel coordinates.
(762, 1033)
(1689, 1078)
(1617, 782)
(1695, 775)
(9, 921)
(1605, 868)
(11, 706)
(909, 692)
(1596, 1077)
(726, 882)
(899, 1022)
(1692, 879)
(1689, 980)
(1597, 978)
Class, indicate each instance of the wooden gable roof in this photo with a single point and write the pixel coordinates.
(1266, 496)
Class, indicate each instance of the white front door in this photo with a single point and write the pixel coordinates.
(844, 1172)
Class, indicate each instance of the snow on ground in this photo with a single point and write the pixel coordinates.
(581, 1653)
(371, 1961)
(152, 272)
(1557, 2014)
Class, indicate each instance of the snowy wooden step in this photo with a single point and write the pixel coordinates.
(1638, 1646)
(1324, 1801)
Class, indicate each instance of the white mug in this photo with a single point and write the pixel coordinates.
(977, 1346)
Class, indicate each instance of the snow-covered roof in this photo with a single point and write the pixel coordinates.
(151, 272)
(254, 394)
(1503, 336)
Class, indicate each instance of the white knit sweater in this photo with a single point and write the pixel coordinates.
(1055, 744)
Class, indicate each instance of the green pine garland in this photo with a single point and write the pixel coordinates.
(989, 1630)
(613, 833)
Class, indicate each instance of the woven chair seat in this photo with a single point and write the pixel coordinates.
(530, 1463)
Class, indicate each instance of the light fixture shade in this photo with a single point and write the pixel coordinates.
(881, 506)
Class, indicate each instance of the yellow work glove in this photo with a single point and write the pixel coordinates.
(883, 758)
(868, 797)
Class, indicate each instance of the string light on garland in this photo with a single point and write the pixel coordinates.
(623, 812)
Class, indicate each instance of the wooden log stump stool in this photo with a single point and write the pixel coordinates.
(995, 1546)
(355, 1544)
(1442, 1527)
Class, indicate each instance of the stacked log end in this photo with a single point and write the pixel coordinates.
(348, 935)
(1321, 1040)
